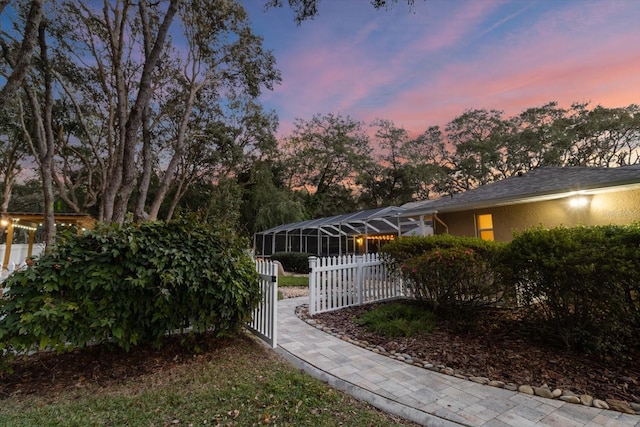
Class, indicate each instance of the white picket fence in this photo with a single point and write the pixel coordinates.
(265, 316)
(17, 259)
(19, 253)
(348, 280)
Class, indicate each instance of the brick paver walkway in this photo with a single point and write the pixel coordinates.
(420, 395)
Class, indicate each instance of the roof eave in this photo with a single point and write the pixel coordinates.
(506, 201)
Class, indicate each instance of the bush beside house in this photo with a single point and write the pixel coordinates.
(579, 286)
(452, 275)
(129, 285)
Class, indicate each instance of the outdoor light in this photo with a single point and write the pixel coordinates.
(4, 222)
(578, 202)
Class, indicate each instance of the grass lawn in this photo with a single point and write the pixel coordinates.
(232, 382)
(302, 281)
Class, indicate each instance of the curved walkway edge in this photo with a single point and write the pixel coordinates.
(420, 395)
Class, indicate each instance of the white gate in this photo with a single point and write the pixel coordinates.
(343, 281)
(265, 316)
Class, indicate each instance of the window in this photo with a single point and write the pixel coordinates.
(484, 225)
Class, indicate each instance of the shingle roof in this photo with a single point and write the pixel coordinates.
(537, 184)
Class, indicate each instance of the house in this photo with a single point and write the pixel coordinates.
(548, 196)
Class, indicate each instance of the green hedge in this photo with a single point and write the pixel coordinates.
(129, 285)
(293, 262)
(582, 284)
(453, 275)
(398, 251)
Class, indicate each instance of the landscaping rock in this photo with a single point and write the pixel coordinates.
(570, 399)
(526, 389)
(620, 406)
(586, 400)
(479, 380)
(543, 392)
(511, 387)
(568, 393)
(600, 404)
(494, 383)
(447, 371)
(635, 406)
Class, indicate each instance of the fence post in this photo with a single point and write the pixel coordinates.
(313, 262)
(360, 278)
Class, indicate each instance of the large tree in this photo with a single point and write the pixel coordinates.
(324, 157)
(223, 54)
(606, 136)
(477, 137)
(388, 179)
(135, 105)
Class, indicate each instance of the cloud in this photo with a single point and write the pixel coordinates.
(426, 68)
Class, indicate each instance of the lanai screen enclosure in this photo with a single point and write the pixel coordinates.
(352, 233)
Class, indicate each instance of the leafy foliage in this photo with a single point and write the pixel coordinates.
(130, 284)
(399, 320)
(581, 284)
(399, 251)
(454, 275)
(294, 262)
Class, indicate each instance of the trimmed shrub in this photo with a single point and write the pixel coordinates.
(453, 280)
(293, 262)
(128, 285)
(398, 251)
(453, 275)
(581, 285)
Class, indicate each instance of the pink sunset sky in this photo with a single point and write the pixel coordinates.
(425, 65)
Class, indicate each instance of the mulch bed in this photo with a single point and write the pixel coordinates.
(501, 347)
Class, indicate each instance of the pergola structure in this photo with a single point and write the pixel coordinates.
(31, 222)
(352, 233)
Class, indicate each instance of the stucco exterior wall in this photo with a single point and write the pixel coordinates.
(619, 208)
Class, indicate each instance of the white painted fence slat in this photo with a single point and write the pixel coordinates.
(338, 282)
(265, 316)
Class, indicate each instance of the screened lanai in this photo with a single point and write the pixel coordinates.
(352, 233)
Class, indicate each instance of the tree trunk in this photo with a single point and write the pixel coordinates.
(43, 142)
(47, 150)
(143, 188)
(135, 116)
(169, 174)
(11, 170)
(24, 54)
